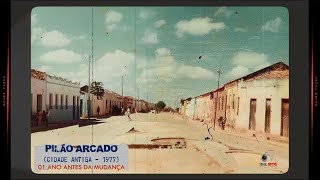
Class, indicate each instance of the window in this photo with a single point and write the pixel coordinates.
(106, 104)
(61, 101)
(56, 101)
(110, 103)
(50, 101)
(233, 102)
(66, 101)
(211, 95)
(219, 103)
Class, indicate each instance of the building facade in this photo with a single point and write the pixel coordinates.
(257, 102)
(190, 109)
(264, 101)
(38, 91)
(63, 98)
(54, 94)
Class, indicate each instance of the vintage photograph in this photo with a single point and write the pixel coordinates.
(184, 90)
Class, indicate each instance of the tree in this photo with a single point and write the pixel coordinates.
(160, 105)
(97, 89)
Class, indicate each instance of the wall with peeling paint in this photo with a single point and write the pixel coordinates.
(275, 89)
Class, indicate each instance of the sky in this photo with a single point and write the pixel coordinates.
(162, 53)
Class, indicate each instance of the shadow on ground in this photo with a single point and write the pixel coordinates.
(53, 126)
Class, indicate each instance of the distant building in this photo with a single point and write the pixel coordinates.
(107, 104)
(190, 108)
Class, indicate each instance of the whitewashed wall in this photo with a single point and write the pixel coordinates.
(38, 87)
(62, 87)
(274, 89)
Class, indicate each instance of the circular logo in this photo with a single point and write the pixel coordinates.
(264, 158)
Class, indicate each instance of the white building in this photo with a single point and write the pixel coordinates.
(264, 100)
(38, 91)
(62, 99)
(106, 104)
(59, 96)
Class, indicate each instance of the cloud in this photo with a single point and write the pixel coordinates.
(77, 73)
(164, 68)
(254, 38)
(54, 39)
(250, 59)
(144, 14)
(272, 25)
(81, 37)
(112, 18)
(162, 52)
(36, 33)
(113, 65)
(142, 63)
(198, 26)
(246, 62)
(237, 72)
(150, 37)
(240, 30)
(108, 69)
(45, 68)
(61, 56)
(159, 23)
(223, 11)
(34, 19)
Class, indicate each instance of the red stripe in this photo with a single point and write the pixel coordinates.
(312, 103)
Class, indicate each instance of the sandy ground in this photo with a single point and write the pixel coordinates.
(225, 153)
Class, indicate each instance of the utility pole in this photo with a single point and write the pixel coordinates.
(122, 89)
(90, 59)
(138, 100)
(217, 98)
(88, 103)
(219, 72)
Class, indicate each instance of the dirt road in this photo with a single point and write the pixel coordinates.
(225, 153)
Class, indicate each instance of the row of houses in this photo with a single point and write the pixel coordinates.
(110, 102)
(67, 101)
(258, 101)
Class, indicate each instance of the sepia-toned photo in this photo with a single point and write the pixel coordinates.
(164, 90)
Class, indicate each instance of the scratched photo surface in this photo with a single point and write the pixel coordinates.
(199, 90)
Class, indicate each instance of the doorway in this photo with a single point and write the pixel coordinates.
(252, 115)
(267, 116)
(39, 103)
(81, 104)
(285, 117)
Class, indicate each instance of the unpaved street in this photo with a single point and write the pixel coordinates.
(225, 153)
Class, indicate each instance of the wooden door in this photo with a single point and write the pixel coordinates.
(267, 116)
(285, 117)
(39, 103)
(252, 115)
